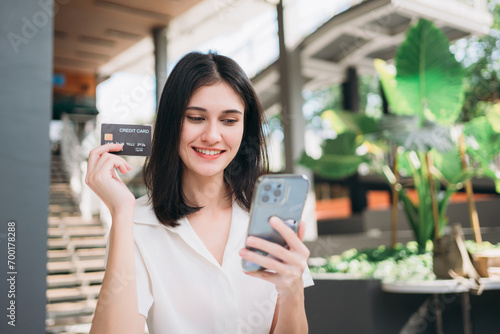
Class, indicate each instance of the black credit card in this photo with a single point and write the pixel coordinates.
(136, 139)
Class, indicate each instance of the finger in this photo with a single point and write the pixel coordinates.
(114, 174)
(273, 248)
(118, 160)
(264, 261)
(292, 239)
(286, 232)
(116, 163)
(108, 162)
(124, 166)
(302, 230)
(96, 153)
(263, 274)
(105, 157)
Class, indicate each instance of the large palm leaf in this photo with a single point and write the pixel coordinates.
(339, 158)
(428, 75)
(429, 80)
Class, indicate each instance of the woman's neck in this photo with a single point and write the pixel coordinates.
(210, 192)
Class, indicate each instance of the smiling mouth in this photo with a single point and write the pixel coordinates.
(208, 152)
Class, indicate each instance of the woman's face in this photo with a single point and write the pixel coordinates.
(212, 129)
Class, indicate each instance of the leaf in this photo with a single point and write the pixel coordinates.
(339, 158)
(336, 122)
(405, 131)
(493, 116)
(342, 121)
(428, 75)
(449, 164)
(404, 167)
(333, 166)
(483, 143)
(344, 144)
(411, 212)
(397, 102)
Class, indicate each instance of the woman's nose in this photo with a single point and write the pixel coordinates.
(211, 134)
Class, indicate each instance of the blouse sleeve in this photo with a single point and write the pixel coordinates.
(144, 295)
(307, 278)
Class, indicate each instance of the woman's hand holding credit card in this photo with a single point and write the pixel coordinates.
(102, 178)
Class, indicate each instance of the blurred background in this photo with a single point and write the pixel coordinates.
(70, 65)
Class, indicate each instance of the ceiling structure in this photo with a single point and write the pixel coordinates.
(206, 21)
(89, 33)
(370, 30)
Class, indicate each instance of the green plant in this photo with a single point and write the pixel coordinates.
(401, 263)
(483, 135)
(425, 96)
(428, 85)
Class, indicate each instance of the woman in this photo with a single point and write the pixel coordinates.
(174, 255)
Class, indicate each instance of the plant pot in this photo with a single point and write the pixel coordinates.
(487, 263)
(338, 303)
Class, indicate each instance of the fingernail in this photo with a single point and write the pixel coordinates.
(273, 220)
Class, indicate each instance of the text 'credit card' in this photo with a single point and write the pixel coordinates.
(136, 139)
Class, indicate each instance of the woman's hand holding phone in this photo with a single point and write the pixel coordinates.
(288, 263)
(102, 178)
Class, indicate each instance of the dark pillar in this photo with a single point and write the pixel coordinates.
(385, 103)
(25, 91)
(291, 83)
(285, 100)
(350, 92)
(160, 49)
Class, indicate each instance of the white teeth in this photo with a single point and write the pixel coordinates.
(208, 152)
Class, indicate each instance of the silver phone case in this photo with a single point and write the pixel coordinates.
(288, 207)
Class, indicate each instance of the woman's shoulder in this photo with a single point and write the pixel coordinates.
(145, 216)
(144, 213)
(142, 201)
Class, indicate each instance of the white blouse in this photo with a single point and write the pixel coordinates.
(182, 289)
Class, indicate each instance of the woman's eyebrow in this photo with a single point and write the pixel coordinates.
(228, 111)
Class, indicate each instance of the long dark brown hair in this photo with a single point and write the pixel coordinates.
(163, 169)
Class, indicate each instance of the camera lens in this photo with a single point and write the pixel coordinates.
(265, 198)
(267, 187)
(277, 193)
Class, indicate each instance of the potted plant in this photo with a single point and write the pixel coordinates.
(422, 138)
(425, 96)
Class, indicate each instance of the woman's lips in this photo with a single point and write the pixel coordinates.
(207, 156)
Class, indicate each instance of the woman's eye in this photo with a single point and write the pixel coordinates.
(195, 119)
(229, 121)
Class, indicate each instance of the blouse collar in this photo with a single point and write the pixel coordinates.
(144, 214)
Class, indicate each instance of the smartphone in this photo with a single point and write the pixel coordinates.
(280, 195)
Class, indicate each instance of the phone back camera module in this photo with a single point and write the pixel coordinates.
(272, 193)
